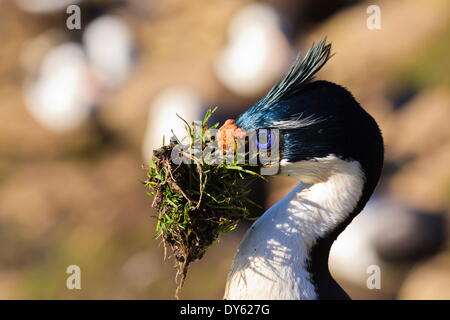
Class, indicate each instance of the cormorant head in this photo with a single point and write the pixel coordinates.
(318, 123)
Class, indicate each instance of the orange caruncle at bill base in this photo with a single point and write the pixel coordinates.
(228, 131)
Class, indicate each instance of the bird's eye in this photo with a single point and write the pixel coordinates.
(264, 139)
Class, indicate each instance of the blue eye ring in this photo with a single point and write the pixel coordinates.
(270, 138)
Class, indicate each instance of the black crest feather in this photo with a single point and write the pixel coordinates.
(301, 72)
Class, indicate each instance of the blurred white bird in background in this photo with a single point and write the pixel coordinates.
(258, 51)
(45, 6)
(68, 80)
(163, 119)
(109, 48)
(60, 98)
(388, 234)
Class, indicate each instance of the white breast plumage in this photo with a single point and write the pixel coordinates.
(271, 262)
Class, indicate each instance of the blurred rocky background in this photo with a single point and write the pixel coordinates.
(81, 111)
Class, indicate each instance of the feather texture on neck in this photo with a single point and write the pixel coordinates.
(271, 262)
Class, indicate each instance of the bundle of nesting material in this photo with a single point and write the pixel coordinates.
(199, 190)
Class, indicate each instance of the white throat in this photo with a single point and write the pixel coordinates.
(271, 262)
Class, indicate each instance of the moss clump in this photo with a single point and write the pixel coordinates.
(196, 201)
